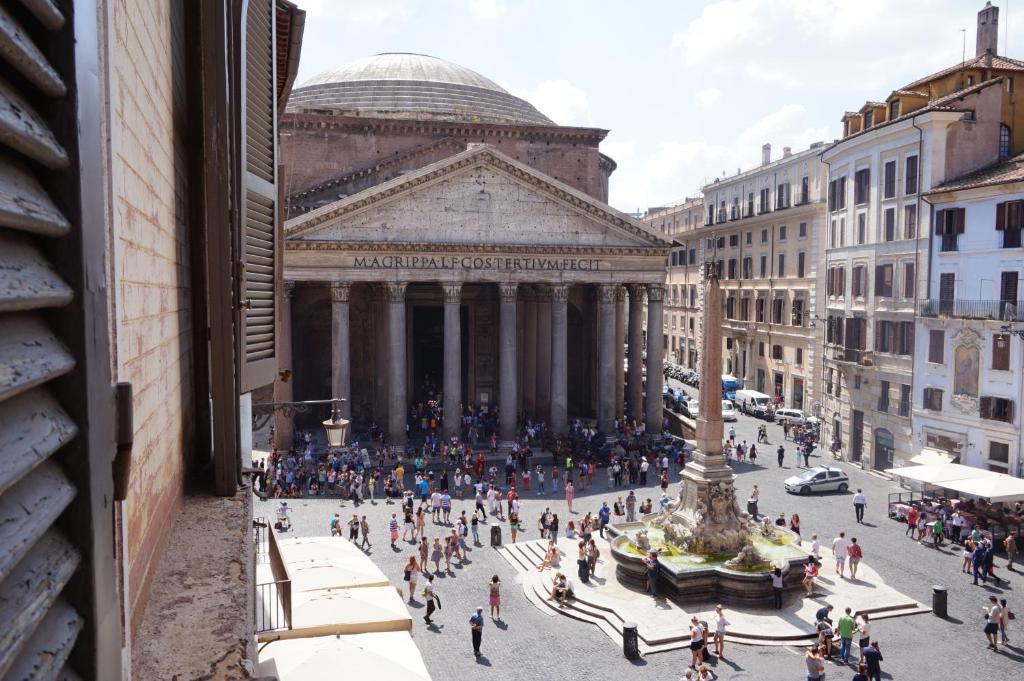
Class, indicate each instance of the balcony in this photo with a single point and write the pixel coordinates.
(1002, 310)
(852, 356)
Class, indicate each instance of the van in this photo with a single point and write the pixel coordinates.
(753, 402)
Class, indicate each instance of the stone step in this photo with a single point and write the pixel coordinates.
(514, 558)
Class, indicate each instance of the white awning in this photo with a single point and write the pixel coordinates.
(975, 482)
(391, 655)
(999, 487)
(933, 456)
(937, 473)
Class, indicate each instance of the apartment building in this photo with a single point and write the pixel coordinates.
(682, 304)
(763, 229)
(970, 368)
(879, 225)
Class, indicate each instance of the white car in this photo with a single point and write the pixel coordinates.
(690, 408)
(795, 416)
(728, 411)
(818, 479)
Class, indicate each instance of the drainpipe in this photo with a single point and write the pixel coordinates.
(824, 331)
(917, 258)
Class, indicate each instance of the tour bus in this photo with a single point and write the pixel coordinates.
(730, 384)
(753, 402)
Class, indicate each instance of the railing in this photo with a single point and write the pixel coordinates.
(273, 599)
(1003, 310)
(853, 355)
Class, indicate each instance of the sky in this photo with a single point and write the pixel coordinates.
(688, 90)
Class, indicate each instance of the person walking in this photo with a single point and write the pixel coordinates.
(846, 627)
(993, 615)
(1004, 619)
(353, 529)
(604, 516)
(806, 451)
(840, 549)
(476, 628)
(393, 529)
(474, 526)
(364, 529)
(856, 553)
(409, 577)
(570, 492)
(873, 659)
(781, 452)
(433, 600)
(494, 597)
(859, 502)
(912, 516)
(978, 563)
(720, 624)
(1010, 545)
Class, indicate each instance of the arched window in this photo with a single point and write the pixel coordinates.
(1004, 141)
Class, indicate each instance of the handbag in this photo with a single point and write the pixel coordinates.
(1011, 615)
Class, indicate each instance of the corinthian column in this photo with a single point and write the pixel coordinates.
(620, 341)
(341, 357)
(606, 360)
(635, 391)
(507, 361)
(559, 359)
(655, 357)
(397, 401)
(452, 384)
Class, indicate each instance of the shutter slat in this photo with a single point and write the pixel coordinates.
(27, 279)
(24, 130)
(31, 590)
(28, 509)
(43, 656)
(259, 87)
(32, 428)
(30, 354)
(46, 13)
(19, 51)
(24, 204)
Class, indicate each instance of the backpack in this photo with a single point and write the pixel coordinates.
(855, 551)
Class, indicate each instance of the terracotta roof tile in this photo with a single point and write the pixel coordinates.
(998, 62)
(1001, 172)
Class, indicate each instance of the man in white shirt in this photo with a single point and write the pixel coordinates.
(644, 465)
(859, 502)
(840, 548)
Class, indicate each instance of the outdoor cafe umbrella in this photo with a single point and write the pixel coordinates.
(391, 655)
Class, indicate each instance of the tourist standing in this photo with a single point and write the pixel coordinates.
(755, 495)
(570, 492)
(865, 634)
(810, 572)
(912, 516)
(476, 628)
(815, 664)
(993, 614)
(696, 642)
(474, 526)
(424, 552)
(513, 525)
(873, 659)
(433, 600)
(815, 546)
(409, 577)
(777, 586)
(859, 502)
(794, 527)
(781, 452)
(846, 626)
(592, 555)
(364, 529)
(353, 529)
(1010, 544)
(839, 550)
(720, 624)
(652, 573)
(1006, 615)
(393, 529)
(604, 515)
(630, 507)
(494, 597)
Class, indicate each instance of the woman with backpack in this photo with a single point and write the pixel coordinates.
(855, 553)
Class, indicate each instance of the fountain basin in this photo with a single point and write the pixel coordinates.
(688, 578)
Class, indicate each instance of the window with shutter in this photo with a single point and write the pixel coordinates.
(911, 176)
(909, 282)
(52, 570)
(261, 233)
(1001, 351)
(936, 341)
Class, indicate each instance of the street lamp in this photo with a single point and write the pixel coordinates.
(336, 427)
(1007, 328)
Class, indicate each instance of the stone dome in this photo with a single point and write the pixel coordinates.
(414, 87)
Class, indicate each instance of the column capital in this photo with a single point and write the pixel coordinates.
(288, 290)
(606, 292)
(507, 291)
(655, 293)
(394, 292)
(559, 292)
(636, 292)
(452, 293)
(620, 294)
(340, 291)
(542, 294)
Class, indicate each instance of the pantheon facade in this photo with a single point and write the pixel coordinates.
(444, 237)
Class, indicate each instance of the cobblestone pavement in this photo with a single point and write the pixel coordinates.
(533, 645)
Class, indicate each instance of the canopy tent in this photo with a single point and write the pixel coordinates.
(390, 655)
(975, 482)
(933, 456)
(316, 563)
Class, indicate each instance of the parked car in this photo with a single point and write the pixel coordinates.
(728, 410)
(753, 402)
(795, 416)
(690, 409)
(818, 479)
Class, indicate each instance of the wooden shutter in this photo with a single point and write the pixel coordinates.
(261, 230)
(37, 560)
(958, 220)
(1001, 216)
(986, 407)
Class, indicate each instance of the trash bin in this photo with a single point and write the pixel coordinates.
(495, 535)
(630, 641)
(939, 600)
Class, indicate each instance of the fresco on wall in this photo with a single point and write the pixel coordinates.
(966, 367)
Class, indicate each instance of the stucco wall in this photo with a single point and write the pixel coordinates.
(149, 234)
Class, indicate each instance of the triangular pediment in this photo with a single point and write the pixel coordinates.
(479, 196)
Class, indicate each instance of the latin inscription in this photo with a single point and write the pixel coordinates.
(471, 262)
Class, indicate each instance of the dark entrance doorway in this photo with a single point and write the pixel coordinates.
(427, 352)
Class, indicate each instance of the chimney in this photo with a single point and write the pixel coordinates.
(786, 152)
(766, 154)
(988, 30)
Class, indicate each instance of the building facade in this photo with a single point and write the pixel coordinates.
(941, 126)
(970, 333)
(682, 283)
(449, 242)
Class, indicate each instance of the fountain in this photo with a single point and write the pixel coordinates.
(709, 551)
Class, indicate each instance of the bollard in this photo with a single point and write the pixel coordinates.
(939, 600)
(495, 535)
(630, 641)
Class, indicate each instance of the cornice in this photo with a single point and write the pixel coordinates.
(433, 247)
(473, 157)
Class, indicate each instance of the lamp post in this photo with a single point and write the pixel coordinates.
(336, 427)
(1008, 328)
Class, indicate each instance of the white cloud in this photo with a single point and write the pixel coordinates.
(559, 100)
(707, 97)
(361, 11)
(805, 43)
(486, 10)
(678, 168)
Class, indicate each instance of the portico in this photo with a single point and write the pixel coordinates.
(478, 282)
